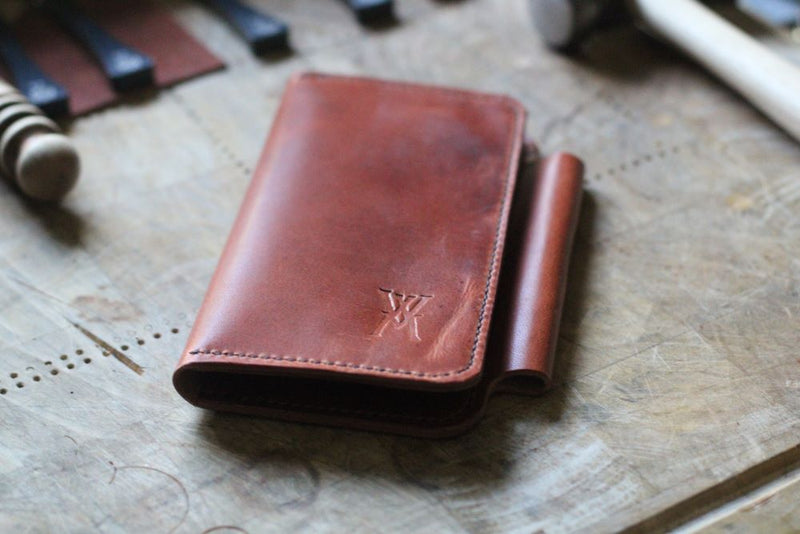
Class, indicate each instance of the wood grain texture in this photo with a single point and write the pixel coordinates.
(773, 510)
(677, 368)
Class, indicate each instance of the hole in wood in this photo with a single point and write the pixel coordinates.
(20, 385)
(13, 375)
(79, 352)
(37, 378)
(124, 347)
(3, 391)
(70, 366)
(64, 356)
(54, 372)
(87, 360)
(156, 335)
(175, 330)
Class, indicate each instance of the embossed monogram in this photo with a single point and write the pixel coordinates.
(404, 312)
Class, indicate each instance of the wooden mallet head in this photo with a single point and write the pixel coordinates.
(770, 82)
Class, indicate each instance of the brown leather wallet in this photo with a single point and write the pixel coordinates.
(361, 284)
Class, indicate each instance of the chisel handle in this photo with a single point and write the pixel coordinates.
(263, 32)
(39, 88)
(126, 68)
(369, 11)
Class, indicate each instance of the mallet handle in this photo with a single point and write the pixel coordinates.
(5, 88)
(40, 159)
(768, 81)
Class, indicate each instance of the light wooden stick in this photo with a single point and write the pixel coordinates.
(33, 152)
(767, 80)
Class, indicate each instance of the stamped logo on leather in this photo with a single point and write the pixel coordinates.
(403, 312)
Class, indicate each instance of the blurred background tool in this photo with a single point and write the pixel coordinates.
(263, 32)
(784, 13)
(33, 152)
(768, 81)
(125, 67)
(41, 90)
(371, 11)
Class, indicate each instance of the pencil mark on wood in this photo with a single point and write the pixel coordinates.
(174, 479)
(37, 290)
(564, 120)
(286, 477)
(224, 528)
(130, 364)
(73, 440)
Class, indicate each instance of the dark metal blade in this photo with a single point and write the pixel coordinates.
(263, 32)
(370, 11)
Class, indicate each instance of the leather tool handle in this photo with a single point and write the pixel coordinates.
(39, 88)
(125, 67)
(33, 152)
(768, 81)
(263, 32)
(368, 11)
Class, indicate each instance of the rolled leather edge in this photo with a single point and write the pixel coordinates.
(527, 334)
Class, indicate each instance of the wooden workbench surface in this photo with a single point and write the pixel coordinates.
(678, 364)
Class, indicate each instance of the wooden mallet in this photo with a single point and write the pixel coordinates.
(769, 82)
(33, 152)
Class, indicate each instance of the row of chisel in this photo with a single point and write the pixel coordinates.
(265, 33)
(127, 68)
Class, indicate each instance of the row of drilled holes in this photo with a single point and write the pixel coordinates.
(212, 133)
(660, 153)
(38, 378)
(140, 341)
(86, 360)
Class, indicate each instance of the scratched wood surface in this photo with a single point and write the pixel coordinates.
(775, 511)
(678, 364)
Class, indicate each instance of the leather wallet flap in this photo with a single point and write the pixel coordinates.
(370, 239)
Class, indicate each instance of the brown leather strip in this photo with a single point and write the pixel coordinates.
(540, 275)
